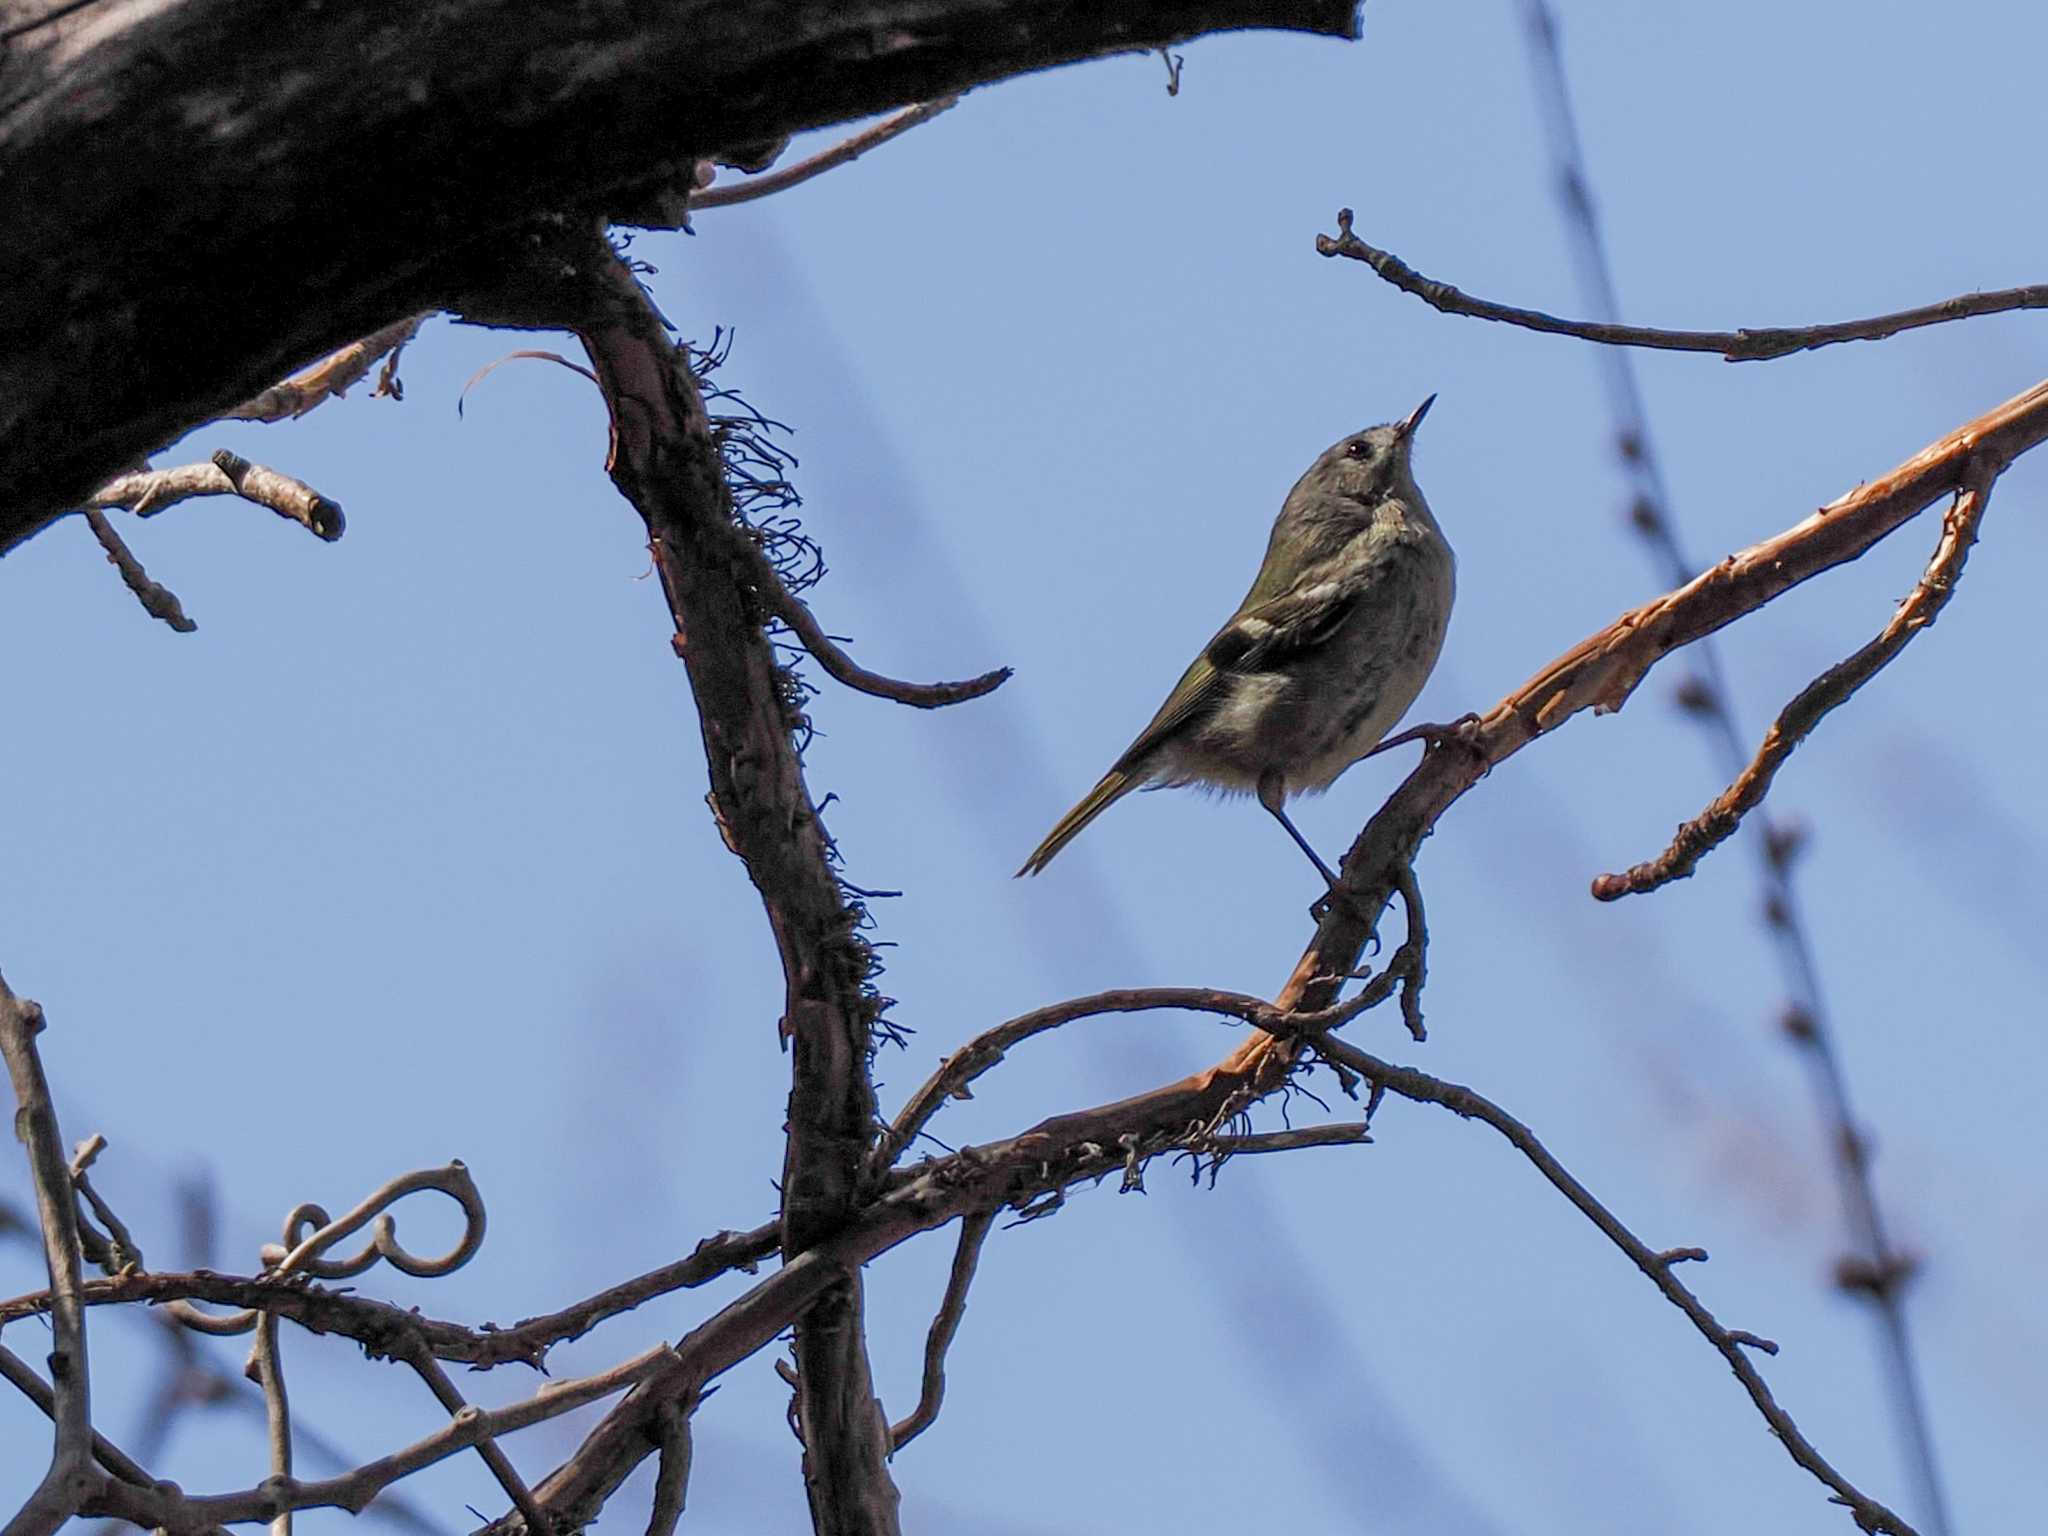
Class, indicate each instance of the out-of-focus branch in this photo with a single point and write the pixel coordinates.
(1708, 697)
(932, 1391)
(1733, 1344)
(146, 492)
(71, 1475)
(333, 375)
(1739, 346)
(1717, 823)
(848, 149)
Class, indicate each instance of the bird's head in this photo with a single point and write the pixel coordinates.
(1370, 466)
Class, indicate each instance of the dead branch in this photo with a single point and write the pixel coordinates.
(1697, 838)
(385, 1331)
(625, 101)
(333, 375)
(672, 1475)
(932, 1392)
(429, 1371)
(842, 668)
(1739, 346)
(845, 151)
(1731, 1343)
(988, 1048)
(1358, 1134)
(666, 462)
(146, 492)
(158, 601)
(71, 1474)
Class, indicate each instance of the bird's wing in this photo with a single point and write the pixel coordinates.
(1259, 637)
(1199, 690)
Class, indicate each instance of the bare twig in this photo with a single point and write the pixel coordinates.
(842, 668)
(494, 1457)
(1354, 1134)
(1731, 1343)
(383, 1330)
(70, 1476)
(848, 149)
(146, 492)
(332, 376)
(973, 1232)
(1717, 823)
(988, 1048)
(1739, 346)
(123, 1251)
(672, 1476)
(17, 1374)
(267, 1368)
(158, 601)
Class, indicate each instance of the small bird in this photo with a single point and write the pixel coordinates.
(1328, 649)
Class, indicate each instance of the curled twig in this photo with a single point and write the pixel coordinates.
(973, 1232)
(1739, 346)
(1697, 838)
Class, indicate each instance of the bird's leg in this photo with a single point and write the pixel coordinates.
(1273, 796)
(1459, 731)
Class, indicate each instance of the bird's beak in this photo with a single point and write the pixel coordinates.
(1407, 428)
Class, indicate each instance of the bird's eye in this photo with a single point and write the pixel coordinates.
(1358, 448)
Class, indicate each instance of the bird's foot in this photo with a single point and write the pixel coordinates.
(1461, 732)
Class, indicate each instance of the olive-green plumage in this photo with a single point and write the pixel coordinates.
(1339, 632)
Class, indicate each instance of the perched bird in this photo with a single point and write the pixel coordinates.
(1328, 649)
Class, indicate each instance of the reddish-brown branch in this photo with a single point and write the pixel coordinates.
(1697, 838)
(666, 462)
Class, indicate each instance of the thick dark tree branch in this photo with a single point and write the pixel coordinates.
(156, 164)
(1746, 345)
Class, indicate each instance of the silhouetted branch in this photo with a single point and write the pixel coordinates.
(1746, 345)
(1697, 838)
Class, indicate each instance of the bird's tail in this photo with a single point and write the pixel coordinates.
(1114, 786)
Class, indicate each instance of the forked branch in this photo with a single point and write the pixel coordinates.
(1713, 826)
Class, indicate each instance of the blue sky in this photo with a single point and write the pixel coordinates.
(403, 856)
